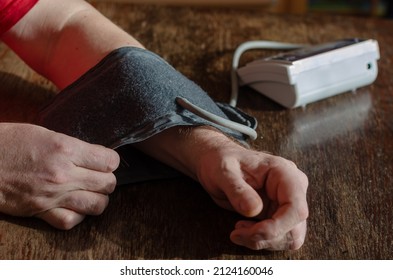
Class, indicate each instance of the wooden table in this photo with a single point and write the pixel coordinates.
(344, 144)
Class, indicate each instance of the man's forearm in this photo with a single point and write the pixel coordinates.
(185, 148)
(63, 39)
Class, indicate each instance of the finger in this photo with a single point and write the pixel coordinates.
(244, 224)
(298, 236)
(84, 202)
(93, 181)
(287, 217)
(61, 218)
(95, 157)
(258, 235)
(285, 230)
(249, 234)
(244, 199)
(286, 186)
(270, 240)
(244, 235)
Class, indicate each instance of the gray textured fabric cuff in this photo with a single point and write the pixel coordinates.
(128, 97)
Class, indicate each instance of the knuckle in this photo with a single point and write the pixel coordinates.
(36, 205)
(268, 245)
(96, 205)
(260, 245)
(277, 243)
(60, 145)
(269, 233)
(67, 222)
(105, 184)
(296, 244)
(304, 179)
(108, 157)
(291, 164)
(57, 177)
(280, 161)
(92, 204)
(273, 234)
(303, 213)
(111, 184)
(113, 160)
(100, 205)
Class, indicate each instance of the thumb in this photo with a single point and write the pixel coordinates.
(243, 198)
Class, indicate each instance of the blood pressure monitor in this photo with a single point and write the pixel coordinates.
(311, 73)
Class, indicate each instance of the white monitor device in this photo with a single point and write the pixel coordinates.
(312, 73)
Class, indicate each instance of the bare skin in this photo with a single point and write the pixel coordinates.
(53, 176)
(252, 183)
(61, 179)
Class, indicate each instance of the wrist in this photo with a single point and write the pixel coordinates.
(186, 148)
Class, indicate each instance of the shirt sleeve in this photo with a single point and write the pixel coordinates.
(11, 11)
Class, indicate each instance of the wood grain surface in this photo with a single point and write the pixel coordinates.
(344, 144)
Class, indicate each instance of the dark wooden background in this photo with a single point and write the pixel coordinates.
(344, 144)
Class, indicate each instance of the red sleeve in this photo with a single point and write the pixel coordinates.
(11, 11)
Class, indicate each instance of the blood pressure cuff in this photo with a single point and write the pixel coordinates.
(128, 97)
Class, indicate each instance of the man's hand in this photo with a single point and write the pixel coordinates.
(267, 188)
(52, 176)
(260, 185)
